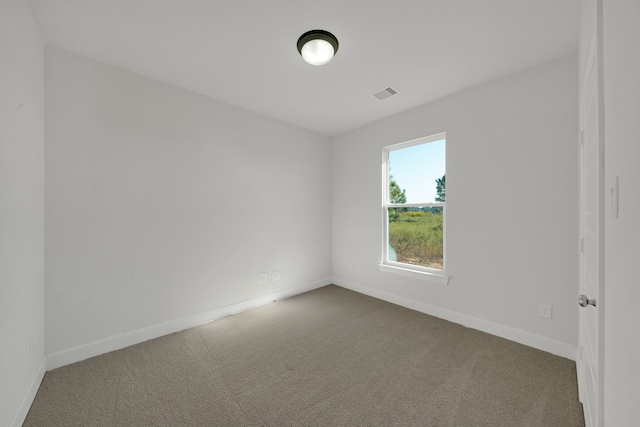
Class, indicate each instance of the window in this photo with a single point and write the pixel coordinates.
(414, 206)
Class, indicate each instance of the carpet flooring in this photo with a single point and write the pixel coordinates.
(329, 357)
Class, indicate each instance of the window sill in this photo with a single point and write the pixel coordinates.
(424, 275)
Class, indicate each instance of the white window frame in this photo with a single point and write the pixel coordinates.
(416, 271)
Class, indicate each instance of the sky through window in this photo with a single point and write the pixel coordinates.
(415, 169)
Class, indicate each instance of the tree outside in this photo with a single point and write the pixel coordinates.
(441, 189)
(396, 195)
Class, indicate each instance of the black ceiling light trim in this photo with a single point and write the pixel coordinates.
(318, 34)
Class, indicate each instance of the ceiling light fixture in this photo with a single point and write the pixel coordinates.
(317, 47)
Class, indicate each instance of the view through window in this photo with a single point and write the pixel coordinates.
(415, 203)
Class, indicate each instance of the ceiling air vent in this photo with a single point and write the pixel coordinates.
(385, 93)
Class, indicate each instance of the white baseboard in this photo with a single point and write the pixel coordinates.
(532, 340)
(76, 354)
(27, 399)
(85, 351)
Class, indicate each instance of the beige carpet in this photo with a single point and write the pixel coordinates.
(330, 357)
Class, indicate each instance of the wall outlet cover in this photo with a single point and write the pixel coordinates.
(546, 311)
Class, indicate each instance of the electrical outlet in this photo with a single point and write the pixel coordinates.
(263, 278)
(546, 310)
(275, 275)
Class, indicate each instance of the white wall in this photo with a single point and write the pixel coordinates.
(21, 211)
(163, 204)
(512, 207)
(621, 71)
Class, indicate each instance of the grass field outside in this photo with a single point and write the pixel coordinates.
(417, 237)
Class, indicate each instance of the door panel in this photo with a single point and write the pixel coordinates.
(592, 216)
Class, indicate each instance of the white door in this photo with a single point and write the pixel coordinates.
(590, 358)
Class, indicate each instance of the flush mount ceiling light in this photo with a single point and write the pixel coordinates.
(317, 47)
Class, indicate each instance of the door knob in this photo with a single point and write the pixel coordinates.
(584, 301)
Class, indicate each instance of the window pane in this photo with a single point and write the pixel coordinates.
(416, 174)
(416, 235)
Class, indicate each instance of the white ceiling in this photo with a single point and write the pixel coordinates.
(244, 51)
